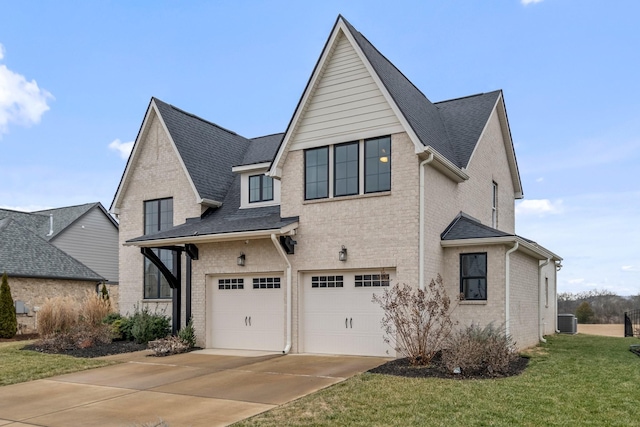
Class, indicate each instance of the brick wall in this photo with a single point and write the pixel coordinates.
(524, 298)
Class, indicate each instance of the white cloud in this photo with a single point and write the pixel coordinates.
(540, 179)
(630, 268)
(526, 2)
(540, 207)
(124, 148)
(575, 281)
(21, 102)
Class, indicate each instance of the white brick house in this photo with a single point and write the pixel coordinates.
(279, 242)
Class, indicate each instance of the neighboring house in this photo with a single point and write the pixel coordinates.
(57, 252)
(279, 242)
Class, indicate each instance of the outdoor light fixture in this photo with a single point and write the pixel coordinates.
(342, 255)
(241, 259)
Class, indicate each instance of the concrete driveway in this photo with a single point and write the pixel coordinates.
(202, 388)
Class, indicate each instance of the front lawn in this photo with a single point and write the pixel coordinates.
(572, 380)
(18, 365)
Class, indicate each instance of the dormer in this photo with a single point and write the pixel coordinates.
(257, 189)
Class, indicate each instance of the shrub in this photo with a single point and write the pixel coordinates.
(169, 345)
(147, 326)
(57, 315)
(104, 293)
(188, 334)
(584, 313)
(94, 309)
(476, 350)
(416, 322)
(8, 320)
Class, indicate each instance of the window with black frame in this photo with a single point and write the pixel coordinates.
(377, 166)
(316, 164)
(473, 276)
(158, 216)
(260, 188)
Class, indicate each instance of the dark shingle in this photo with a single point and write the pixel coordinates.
(467, 227)
(24, 254)
(207, 150)
(262, 149)
(64, 217)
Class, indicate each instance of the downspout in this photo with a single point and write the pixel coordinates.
(276, 243)
(540, 324)
(507, 286)
(422, 214)
(555, 287)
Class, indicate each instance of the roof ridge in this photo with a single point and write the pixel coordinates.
(468, 96)
(64, 207)
(186, 113)
(266, 136)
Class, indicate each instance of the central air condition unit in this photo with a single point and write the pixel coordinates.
(567, 324)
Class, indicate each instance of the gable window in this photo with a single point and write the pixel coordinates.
(158, 216)
(494, 205)
(260, 188)
(473, 276)
(377, 166)
(348, 169)
(316, 167)
(345, 169)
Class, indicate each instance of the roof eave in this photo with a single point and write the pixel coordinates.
(212, 238)
(525, 246)
(444, 165)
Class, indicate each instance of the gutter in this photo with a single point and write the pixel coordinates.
(507, 286)
(540, 323)
(422, 214)
(276, 243)
(558, 265)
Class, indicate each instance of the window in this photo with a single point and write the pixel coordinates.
(327, 281)
(345, 169)
(377, 167)
(260, 188)
(158, 216)
(225, 284)
(494, 205)
(316, 165)
(337, 170)
(473, 276)
(266, 283)
(368, 280)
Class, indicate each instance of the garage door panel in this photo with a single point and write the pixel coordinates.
(247, 318)
(343, 320)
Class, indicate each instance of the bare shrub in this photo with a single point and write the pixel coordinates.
(416, 322)
(57, 315)
(94, 309)
(476, 350)
(168, 346)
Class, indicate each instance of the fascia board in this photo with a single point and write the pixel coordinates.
(254, 167)
(210, 238)
(523, 245)
(445, 166)
(484, 129)
(508, 145)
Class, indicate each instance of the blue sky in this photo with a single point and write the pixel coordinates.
(76, 79)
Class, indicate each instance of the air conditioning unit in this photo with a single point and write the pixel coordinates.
(567, 324)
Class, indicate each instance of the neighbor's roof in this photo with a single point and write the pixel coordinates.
(24, 254)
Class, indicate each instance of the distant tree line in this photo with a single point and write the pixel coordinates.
(597, 306)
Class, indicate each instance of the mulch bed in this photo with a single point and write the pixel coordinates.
(21, 337)
(115, 347)
(402, 368)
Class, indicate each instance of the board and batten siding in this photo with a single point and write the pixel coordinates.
(346, 103)
(92, 240)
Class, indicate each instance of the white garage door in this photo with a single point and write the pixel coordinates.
(247, 313)
(339, 316)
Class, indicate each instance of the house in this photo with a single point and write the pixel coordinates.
(57, 252)
(279, 242)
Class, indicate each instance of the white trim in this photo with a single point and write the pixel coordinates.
(254, 167)
(445, 166)
(210, 203)
(210, 238)
(524, 245)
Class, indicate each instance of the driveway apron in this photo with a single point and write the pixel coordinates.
(202, 388)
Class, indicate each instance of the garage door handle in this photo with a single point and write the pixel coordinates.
(351, 322)
(245, 320)
(346, 322)
(249, 320)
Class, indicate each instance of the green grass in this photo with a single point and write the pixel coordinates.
(18, 365)
(579, 380)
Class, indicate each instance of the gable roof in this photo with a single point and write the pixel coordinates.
(465, 230)
(450, 130)
(24, 254)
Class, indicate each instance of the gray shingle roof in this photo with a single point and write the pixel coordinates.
(207, 150)
(24, 254)
(451, 127)
(262, 149)
(65, 216)
(467, 227)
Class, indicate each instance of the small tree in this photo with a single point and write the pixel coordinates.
(584, 313)
(417, 322)
(8, 320)
(104, 293)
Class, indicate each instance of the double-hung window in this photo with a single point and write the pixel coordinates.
(348, 169)
(158, 216)
(260, 188)
(473, 276)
